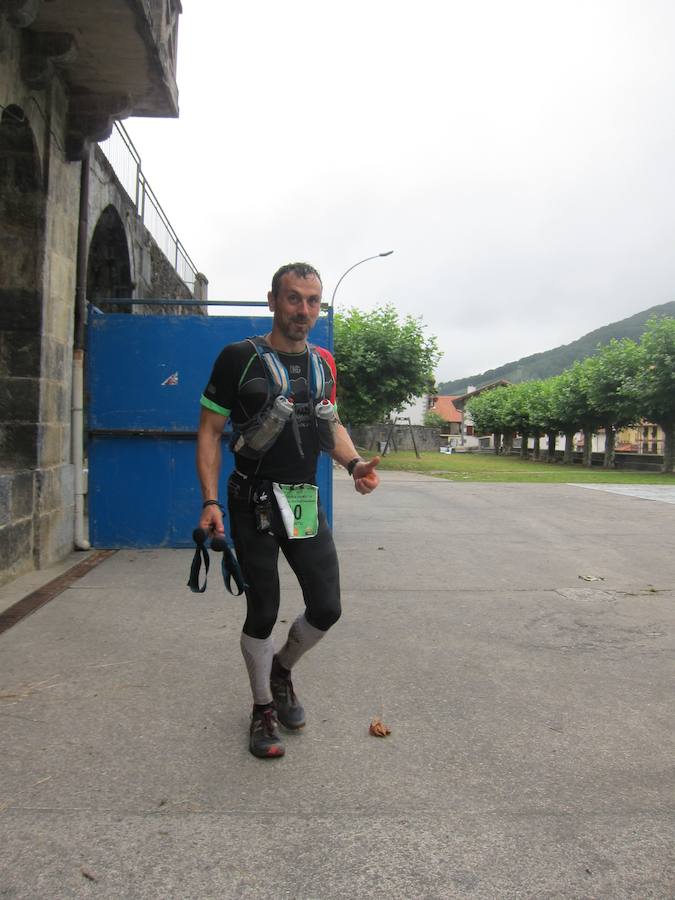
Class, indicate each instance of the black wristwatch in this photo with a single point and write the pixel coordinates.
(351, 465)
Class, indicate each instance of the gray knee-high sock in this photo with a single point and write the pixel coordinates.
(258, 654)
(301, 637)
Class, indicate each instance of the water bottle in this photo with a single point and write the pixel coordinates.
(326, 424)
(259, 439)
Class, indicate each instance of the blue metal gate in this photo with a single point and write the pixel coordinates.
(145, 374)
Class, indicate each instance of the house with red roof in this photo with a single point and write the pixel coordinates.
(446, 409)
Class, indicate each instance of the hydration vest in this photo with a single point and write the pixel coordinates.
(278, 385)
(278, 380)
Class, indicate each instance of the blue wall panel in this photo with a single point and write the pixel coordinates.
(145, 375)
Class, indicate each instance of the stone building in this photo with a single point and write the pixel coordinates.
(68, 70)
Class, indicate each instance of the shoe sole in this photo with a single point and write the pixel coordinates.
(291, 727)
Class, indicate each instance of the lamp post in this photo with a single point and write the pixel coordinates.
(387, 253)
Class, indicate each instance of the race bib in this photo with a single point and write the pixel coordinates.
(299, 508)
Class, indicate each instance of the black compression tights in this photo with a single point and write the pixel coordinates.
(314, 561)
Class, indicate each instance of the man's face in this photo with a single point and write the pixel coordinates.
(296, 306)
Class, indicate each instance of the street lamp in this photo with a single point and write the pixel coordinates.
(387, 253)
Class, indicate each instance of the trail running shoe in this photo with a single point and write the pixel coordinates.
(265, 741)
(289, 709)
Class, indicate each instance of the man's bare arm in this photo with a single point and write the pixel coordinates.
(209, 439)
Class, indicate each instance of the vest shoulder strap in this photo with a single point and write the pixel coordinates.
(318, 376)
(277, 374)
(278, 378)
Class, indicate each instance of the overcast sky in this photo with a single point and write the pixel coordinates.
(517, 156)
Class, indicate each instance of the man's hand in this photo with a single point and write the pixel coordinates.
(211, 520)
(365, 477)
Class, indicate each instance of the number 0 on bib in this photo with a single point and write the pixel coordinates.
(299, 508)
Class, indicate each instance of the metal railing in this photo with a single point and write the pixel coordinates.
(120, 152)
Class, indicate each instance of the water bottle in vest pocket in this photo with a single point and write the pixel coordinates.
(326, 424)
(259, 435)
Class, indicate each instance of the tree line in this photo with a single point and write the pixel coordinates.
(624, 383)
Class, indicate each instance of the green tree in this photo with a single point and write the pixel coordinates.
(536, 401)
(653, 387)
(433, 419)
(609, 370)
(516, 413)
(565, 412)
(383, 363)
(543, 415)
(487, 410)
(580, 376)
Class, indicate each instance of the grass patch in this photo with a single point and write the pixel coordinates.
(489, 467)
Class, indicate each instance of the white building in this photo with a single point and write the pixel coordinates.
(415, 410)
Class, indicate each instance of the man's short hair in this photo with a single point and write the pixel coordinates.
(301, 269)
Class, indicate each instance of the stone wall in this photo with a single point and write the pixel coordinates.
(45, 129)
(369, 437)
(16, 522)
(54, 502)
(116, 232)
(38, 235)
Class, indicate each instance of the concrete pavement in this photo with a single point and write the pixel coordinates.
(517, 639)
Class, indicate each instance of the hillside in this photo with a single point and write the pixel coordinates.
(553, 362)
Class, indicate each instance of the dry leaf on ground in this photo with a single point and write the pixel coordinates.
(378, 728)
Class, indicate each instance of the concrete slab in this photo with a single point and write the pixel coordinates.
(531, 752)
(16, 589)
(664, 493)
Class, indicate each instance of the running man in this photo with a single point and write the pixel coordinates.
(272, 496)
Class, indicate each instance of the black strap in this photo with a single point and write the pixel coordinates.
(201, 553)
(229, 564)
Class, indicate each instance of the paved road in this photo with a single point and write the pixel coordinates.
(517, 639)
(660, 492)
